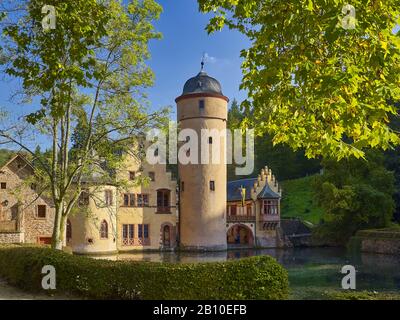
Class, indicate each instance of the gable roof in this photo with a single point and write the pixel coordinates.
(15, 157)
(29, 164)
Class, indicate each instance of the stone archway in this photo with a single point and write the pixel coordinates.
(240, 235)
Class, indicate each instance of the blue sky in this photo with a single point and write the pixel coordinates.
(174, 59)
(177, 56)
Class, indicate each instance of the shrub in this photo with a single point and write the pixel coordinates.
(249, 278)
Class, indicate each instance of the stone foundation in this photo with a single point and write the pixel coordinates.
(203, 248)
(11, 237)
(267, 242)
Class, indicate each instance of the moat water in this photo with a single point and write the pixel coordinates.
(312, 271)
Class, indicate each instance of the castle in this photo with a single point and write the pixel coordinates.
(200, 211)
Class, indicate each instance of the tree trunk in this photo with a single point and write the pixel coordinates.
(57, 238)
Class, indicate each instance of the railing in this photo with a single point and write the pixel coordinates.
(240, 218)
(136, 242)
(8, 226)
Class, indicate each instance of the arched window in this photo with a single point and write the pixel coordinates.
(104, 230)
(69, 230)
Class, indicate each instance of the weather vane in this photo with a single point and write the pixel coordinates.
(203, 60)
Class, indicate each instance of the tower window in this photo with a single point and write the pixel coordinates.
(84, 198)
(210, 140)
(156, 152)
(104, 230)
(201, 104)
(187, 139)
(108, 197)
(212, 185)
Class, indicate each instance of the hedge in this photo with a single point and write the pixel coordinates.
(249, 278)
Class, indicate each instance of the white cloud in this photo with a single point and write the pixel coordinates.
(209, 58)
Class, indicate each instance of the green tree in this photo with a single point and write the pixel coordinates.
(284, 162)
(5, 155)
(354, 194)
(392, 163)
(235, 116)
(88, 74)
(314, 82)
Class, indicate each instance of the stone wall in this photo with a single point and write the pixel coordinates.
(268, 241)
(19, 203)
(386, 246)
(11, 237)
(376, 241)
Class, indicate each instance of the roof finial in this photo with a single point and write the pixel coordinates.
(203, 60)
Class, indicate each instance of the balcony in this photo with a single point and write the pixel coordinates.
(239, 218)
(270, 218)
(8, 226)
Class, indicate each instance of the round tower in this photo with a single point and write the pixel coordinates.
(202, 216)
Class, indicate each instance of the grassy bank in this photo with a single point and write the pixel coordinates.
(249, 278)
(361, 295)
(298, 202)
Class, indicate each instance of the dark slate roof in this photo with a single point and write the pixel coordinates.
(294, 226)
(233, 190)
(267, 193)
(202, 83)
